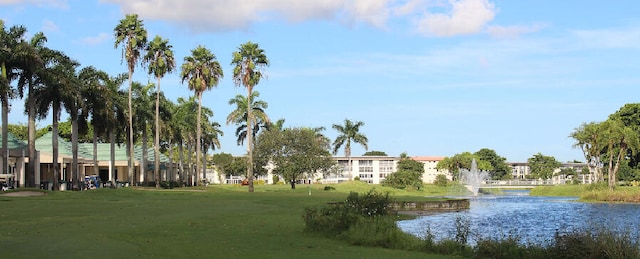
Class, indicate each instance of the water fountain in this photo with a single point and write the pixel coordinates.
(472, 179)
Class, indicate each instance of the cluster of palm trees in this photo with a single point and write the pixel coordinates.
(53, 81)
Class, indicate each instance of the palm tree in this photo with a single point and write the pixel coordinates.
(249, 60)
(94, 92)
(33, 66)
(160, 59)
(202, 72)
(113, 118)
(348, 132)
(210, 140)
(131, 34)
(60, 80)
(239, 115)
(11, 44)
(142, 107)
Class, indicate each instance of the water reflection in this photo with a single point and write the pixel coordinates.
(532, 219)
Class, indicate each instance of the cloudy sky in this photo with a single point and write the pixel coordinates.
(427, 77)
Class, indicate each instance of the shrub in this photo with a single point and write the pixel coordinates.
(336, 218)
(275, 178)
(441, 180)
(357, 178)
(378, 232)
(329, 188)
(259, 182)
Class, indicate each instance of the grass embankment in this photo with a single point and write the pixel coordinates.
(212, 222)
(591, 193)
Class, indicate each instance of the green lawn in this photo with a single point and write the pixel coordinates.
(211, 222)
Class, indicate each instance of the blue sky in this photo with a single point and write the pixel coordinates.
(427, 77)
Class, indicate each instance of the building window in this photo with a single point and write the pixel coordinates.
(344, 165)
(365, 176)
(366, 166)
(386, 166)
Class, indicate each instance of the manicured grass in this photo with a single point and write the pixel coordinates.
(212, 222)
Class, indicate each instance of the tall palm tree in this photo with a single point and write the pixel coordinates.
(349, 132)
(11, 44)
(93, 94)
(160, 60)
(202, 72)
(113, 118)
(130, 32)
(239, 115)
(142, 107)
(249, 61)
(53, 94)
(33, 66)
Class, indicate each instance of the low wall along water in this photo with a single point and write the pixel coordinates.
(428, 207)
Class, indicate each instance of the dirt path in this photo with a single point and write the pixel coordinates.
(23, 194)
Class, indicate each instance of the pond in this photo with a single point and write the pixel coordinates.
(529, 218)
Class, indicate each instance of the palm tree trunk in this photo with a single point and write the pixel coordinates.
(131, 161)
(5, 135)
(112, 158)
(170, 169)
(156, 157)
(180, 149)
(54, 146)
(96, 169)
(250, 139)
(204, 162)
(198, 135)
(31, 113)
(143, 161)
(189, 165)
(74, 150)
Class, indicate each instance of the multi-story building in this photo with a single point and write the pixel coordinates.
(375, 169)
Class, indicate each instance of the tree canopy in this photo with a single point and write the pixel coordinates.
(407, 176)
(293, 153)
(542, 166)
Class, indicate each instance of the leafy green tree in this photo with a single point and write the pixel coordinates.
(221, 162)
(202, 72)
(248, 63)
(375, 153)
(160, 62)
(131, 34)
(542, 166)
(408, 175)
(21, 131)
(293, 152)
(501, 169)
(348, 132)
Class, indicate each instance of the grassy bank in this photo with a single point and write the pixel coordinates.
(215, 222)
(591, 193)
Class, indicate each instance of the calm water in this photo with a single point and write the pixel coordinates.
(532, 219)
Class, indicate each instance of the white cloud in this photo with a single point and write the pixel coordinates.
(217, 15)
(460, 17)
(95, 40)
(49, 26)
(465, 17)
(53, 3)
